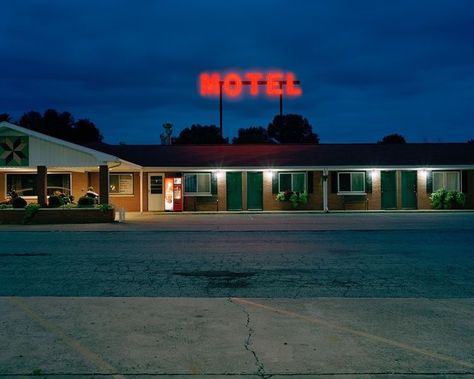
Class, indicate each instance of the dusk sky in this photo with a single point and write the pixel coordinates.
(368, 68)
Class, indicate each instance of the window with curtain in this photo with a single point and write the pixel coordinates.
(448, 180)
(292, 181)
(121, 184)
(25, 184)
(197, 184)
(351, 182)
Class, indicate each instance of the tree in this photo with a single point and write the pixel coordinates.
(61, 125)
(85, 131)
(392, 139)
(254, 134)
(5, 117)
(292, 128)
(200, 134)
(31, 120)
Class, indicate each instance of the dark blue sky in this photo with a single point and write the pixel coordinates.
(368, 68)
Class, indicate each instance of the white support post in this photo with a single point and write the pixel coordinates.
(325, 190)
(141, 190)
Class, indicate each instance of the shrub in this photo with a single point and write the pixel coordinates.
(295, 198)
(55, 201)
(18, 202)
(85, 202)
(442, 199)
(105, 207)
(30, 211)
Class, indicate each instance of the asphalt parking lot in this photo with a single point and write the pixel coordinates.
(245, 295)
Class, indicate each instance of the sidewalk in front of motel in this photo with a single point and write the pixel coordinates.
(266, 221)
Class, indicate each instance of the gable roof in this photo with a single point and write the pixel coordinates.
(296, 155)
(48, 142)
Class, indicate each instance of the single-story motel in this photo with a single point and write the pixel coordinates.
(235, 177)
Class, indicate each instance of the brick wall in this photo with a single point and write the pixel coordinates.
(222, 191)
(375, 198)
(423, 198)
(337, 202)
(315, 199)
(131, 203)
(79, 185)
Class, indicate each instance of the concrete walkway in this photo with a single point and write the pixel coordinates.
(234, 337)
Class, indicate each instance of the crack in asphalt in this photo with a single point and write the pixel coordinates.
(247, 345)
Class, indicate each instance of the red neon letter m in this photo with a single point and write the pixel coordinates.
(209, 84)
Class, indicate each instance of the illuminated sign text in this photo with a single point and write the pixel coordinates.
(276, 83)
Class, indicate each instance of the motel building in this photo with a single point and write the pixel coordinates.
(144, 178)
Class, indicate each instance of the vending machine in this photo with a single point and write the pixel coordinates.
(177, 194)
(169, 194)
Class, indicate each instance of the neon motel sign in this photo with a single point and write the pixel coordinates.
(277, 83)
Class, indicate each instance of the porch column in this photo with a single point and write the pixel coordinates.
(141, 190)
(104, 184)
(41, 185)
(325, 190)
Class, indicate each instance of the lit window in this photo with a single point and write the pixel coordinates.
(25, 184)
(351, 182)
(448, 180)
(121, 184)
(292, 181)
(197, 184)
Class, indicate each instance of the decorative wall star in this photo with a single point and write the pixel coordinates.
(13, 151)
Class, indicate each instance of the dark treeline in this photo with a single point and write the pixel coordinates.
(60, 125)
(290, 128)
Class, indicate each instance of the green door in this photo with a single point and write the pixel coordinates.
(409, 189)
(255, 191)
(389, 189)
(234, 191)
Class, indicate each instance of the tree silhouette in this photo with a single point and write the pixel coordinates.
(5, 117)
(392, 139)
(254, 134)
(61, 125)
(85, 131)
(292, 128)
(200, 134)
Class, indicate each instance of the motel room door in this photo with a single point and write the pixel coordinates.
(156, 201)
(255, 191)
(409, 189)
(234, 191)
(389, 189)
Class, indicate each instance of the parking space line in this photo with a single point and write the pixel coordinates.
(71, 342)
(373, 337)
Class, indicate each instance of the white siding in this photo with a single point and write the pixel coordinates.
(45, 153)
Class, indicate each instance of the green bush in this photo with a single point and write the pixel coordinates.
(18, 202)
(30, 211)
(86, 202)
(442, 199)
(295, 198)
(105, 207)
(55, 201)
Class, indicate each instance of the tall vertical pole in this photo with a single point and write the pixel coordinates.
(281, 98)
(220, 108)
